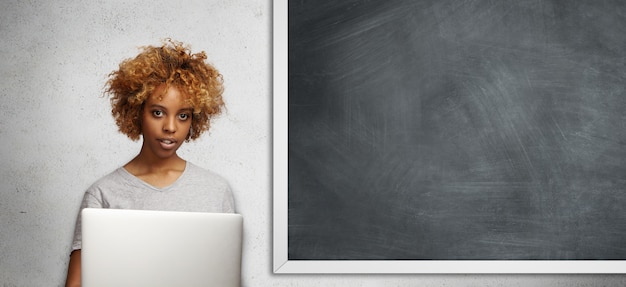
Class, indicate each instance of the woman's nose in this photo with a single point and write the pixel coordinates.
(169, 125)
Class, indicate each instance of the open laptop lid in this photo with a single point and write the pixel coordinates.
(160, 248)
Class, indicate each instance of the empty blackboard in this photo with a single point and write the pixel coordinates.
(456, 130)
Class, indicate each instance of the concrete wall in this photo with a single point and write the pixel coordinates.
(57, 135)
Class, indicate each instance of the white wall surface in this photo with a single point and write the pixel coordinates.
(57, 135)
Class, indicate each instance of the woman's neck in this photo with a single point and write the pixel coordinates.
(145, 164)
(157, 173)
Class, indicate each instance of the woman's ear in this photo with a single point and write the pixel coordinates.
(139, 119)
(189, 134)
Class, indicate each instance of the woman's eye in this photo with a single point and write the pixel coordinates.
(183, 116)
(157, 113)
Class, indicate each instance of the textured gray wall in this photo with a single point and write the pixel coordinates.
(57, 135)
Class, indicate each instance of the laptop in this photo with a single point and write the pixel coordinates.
(160, 248)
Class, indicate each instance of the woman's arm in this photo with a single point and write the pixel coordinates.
(73, 271)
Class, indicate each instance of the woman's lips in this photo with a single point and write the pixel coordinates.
(167, 143)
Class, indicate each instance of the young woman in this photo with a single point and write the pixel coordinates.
(166, 95)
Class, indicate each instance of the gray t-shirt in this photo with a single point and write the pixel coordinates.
(196, 190)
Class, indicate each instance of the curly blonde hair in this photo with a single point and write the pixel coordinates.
(171, 64)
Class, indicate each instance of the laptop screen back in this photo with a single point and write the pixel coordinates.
(160, 248)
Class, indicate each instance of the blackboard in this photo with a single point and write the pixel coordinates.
(456, 130)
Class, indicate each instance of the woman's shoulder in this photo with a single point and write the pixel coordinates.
(113, 179)
(212, 190)
(197, 173)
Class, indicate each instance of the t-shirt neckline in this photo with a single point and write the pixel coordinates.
(135, 179)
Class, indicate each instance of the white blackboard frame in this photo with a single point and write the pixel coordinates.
(281, 262)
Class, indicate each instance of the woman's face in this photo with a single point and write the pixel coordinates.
(166, 121)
